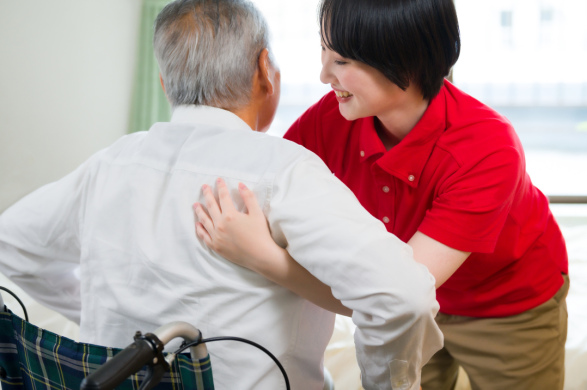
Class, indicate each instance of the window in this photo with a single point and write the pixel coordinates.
(526, 59)
(296, 45)
(536, 77)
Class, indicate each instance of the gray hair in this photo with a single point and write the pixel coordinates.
(208, 51)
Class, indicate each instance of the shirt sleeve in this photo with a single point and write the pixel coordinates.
(301, 132)
(372, 272)
(304, 130)
(473, 204)
(40, 245)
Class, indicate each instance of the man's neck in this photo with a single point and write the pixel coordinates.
(248, 115)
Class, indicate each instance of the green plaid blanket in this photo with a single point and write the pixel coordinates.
(33, 359)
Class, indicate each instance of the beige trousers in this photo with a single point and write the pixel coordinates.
(524, 351)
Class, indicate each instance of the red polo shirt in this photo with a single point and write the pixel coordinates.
(460, 178)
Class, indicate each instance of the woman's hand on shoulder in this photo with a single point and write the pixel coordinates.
(243, 238)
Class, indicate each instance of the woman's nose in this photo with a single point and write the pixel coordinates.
(325, 73)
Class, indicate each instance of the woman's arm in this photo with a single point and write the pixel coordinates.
(244, 239)
(442, 261)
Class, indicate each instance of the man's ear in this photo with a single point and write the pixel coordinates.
(162, 83)
(266, 75)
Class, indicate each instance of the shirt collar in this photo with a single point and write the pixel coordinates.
(370, 143)
(407, 159)
(206, 115)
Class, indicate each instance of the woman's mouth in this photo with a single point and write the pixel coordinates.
(343, 94)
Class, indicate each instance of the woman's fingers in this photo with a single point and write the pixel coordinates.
(226, 204)
(211, 204)
(205, 225)
(203, 234)
(250, 200)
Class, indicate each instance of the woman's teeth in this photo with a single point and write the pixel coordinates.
(342, 94)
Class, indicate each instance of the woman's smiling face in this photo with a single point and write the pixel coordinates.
(361, 90)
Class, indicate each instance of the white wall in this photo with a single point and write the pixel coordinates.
(66, 76)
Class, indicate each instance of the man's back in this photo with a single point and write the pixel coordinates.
(142, 265)
(124, 218)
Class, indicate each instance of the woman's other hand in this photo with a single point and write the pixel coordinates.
(243, 238)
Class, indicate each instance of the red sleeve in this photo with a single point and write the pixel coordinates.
(307, 129)
(294, 133)
(472, 205)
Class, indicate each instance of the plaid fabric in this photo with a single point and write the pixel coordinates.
(32, 358)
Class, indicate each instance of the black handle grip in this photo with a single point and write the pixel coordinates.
(124, 364)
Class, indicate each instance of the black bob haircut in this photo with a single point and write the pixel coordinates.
(409, 41)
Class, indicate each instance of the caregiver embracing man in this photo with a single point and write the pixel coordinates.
(112, 245)
(447, 175)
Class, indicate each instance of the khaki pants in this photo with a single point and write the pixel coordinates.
(520, 352)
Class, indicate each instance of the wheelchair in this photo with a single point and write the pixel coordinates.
(31, 357)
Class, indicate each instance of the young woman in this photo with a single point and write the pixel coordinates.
(446, 174)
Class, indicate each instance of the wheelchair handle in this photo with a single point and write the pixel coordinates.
(146, 350)
(188, 332)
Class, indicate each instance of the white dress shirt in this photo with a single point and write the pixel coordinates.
(112, 246)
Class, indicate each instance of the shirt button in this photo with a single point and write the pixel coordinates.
(362, 153)
(385, 220)
(411, 178)
(385, 189)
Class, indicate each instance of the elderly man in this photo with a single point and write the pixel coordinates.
(112, 245)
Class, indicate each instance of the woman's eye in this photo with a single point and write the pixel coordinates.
(338, 62)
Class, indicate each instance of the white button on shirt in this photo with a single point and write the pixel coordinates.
(112, 245)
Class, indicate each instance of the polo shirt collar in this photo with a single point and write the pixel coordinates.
(369, 141)
(408, 158)
(206, 115)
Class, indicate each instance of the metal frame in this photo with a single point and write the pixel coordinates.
(568, 199)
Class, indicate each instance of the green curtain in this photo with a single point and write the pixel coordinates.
(149, 104)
